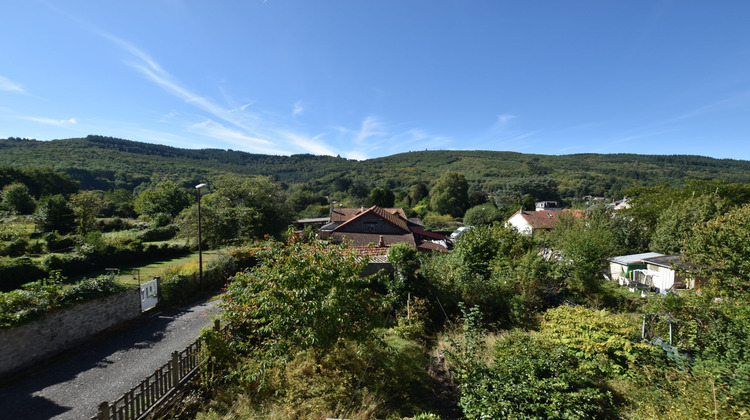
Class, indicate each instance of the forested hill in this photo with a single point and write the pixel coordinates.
(104, 163)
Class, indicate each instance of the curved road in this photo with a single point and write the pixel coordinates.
(73, 385)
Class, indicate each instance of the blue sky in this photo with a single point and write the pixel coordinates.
(367, 78)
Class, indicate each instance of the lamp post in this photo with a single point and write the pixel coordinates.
(200, 252)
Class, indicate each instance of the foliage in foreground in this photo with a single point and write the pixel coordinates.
(39, 297)
(306, 340)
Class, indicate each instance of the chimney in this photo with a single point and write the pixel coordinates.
(381, 242)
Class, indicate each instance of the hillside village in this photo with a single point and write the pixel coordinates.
(439, 299)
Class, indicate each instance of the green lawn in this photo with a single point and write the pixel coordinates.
(133, 274)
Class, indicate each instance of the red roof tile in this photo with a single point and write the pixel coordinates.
(384, 214)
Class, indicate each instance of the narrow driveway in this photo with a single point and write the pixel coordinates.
(73, 385)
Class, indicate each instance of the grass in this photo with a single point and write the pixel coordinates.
(136, 274)
(141, 273)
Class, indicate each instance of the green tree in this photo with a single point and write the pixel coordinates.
(87, 205)
(406, 263)
(16, 198)
(450, 194)
(586, 241)
(720, 248)
(238, 209)
(359, 190)
(165, 199)
(676, 223)
(302, 198)
(484, 214)
(54, 213)
(381, 197)
(528, 203)
(301, 295)
(417, 193)
(119, 202)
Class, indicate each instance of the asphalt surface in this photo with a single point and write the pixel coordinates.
(73, 385)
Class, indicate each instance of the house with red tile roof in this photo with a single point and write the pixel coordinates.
(376, 229)
(532, 222)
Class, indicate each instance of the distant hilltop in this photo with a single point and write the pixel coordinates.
(99, 162)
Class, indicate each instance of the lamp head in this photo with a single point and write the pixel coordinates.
(199, 186)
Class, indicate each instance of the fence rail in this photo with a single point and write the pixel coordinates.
(152, 391)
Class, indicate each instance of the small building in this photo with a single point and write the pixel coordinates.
(667, 271)
(621, 267)
(651, 271)
(548, 206)
(533, 222)
(376, 229)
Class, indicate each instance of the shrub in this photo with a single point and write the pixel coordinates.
(16, 271)
(15, 248)
(41, 296)
(162, 233)
(606, 344)
(57, 243)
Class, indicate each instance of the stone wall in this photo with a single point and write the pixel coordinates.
(22, 346)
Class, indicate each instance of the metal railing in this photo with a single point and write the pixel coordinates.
(157, 388)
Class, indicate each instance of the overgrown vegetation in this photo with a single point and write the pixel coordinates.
(504, 326)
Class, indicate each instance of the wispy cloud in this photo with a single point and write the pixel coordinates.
(216, 130)
(504, 119)
(247, 130)
(310, 144)
(371, 128)
(50, 121)
(298, 108)
(375, 135)
(8, 85)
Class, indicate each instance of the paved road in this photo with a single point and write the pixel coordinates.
(73, 385)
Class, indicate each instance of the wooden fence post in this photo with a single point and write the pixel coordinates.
(175, 368)
(104, 411)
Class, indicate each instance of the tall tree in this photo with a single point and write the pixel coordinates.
(16, 198)
(676, 223)
(450, 195)
(719, 248)
(417, 192)
(87, 205)
(381, 197)
(163, 201)
(54, 213)
(238, 209)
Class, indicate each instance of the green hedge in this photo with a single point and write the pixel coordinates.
(39, 297)
(179, 289)
(16, 271)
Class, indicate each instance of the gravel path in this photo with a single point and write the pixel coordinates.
(72, 386)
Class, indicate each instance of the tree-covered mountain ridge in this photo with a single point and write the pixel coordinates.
(99, 162)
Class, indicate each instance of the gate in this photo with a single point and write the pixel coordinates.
(150, 294)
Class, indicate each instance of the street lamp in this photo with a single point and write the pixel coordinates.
(200, 253)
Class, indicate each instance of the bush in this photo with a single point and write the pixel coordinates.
(16, 271)
(57, 243)
(41, 296)
(606, 344)
(15, 248)
(162, 233)
(529, 378)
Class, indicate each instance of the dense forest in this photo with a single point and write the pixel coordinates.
(106, 163)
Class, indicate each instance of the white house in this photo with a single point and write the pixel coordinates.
(650, 271)
(667, 275)
(531, 222)
(620, 267)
